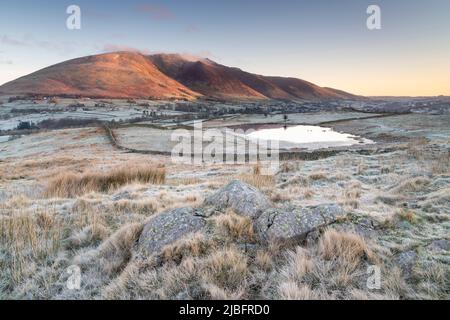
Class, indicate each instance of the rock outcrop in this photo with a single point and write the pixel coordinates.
(296, 224)
(270, 223)
(169, 227)
(242, 198)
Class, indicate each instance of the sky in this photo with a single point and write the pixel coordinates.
(326, 42)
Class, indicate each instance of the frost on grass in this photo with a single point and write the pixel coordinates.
(395, 215)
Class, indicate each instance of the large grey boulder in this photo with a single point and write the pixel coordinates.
(169, 227)
(297, 223)
(244, 199)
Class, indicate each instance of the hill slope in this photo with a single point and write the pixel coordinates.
(113, 75)
(212, 79)
(161, 76)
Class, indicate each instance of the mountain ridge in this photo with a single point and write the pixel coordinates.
(163, 76)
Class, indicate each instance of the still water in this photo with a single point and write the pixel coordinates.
(309, 137)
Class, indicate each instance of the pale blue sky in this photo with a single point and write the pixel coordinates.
(325, 42)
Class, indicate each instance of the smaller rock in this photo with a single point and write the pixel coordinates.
(296, 224)
(122, 196)
(358, 228)
(406, 261)
(244, 199)
(439, 245)
(169, 227)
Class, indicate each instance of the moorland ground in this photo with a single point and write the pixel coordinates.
(69, 197)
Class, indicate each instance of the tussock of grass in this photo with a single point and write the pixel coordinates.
(287, 167)
(412, 185)
(69, 185)
(352, 195)
(362, 167)
(299, 263)
(115, 252)
(184, 181)
(332, 270)
(235, 226)
(257, 169)
(433, 281)
(299, 180)
(292, 291)
(436, 200)
(318, 175)
(226, 268)
(348, 247)
(389, 199)
(88, 235)
(219, 273)
(144, 207)
(26, 239)
(308, 193)
(264, 260)
(193, 245)
(415, 149)
(442, 164)
(257, 180)
(281, 197)
(406, 215)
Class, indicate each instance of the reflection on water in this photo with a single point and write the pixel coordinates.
(311, 137)
(4, 138)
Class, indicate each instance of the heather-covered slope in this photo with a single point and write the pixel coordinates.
(113, 75)
(162, 76)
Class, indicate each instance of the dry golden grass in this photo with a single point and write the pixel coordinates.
(362, 167)
(218, 273)
(433, 281)
(340, 176)
(294, 278)
(351, 196)
(115, 252)
(16, 202)
(144, 207)
(27, 238)
(347, 247)
(415, 148)
(300, 180)
(405, 215)
(184, 181)
(226, 268)
(292, 291)
(308, 193)
(438, 198)
(37, 246)
(69, 185)
(235, 226)
(264, 260)
(412, 185)
(193, 245)
(93, 233)
(442, 164)
(257, 169)
(318, 175)
(258, 181)
(299, 263)
(287, 167)
(281, 197)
